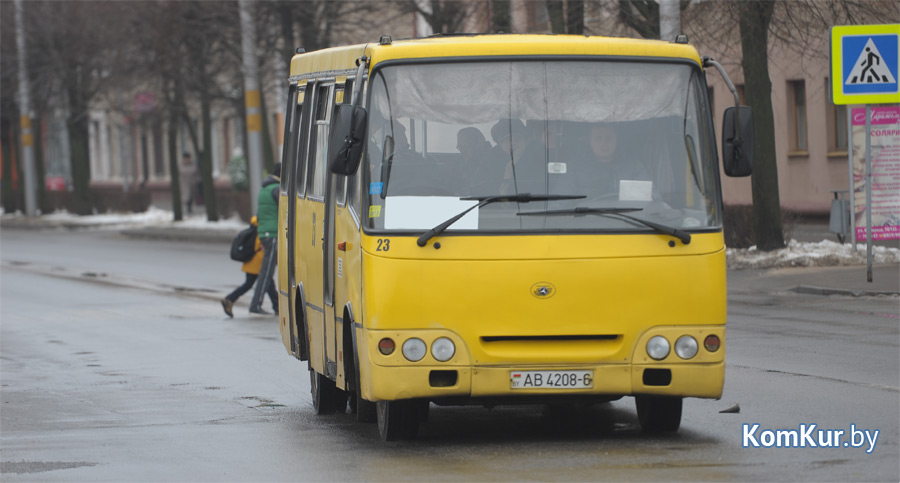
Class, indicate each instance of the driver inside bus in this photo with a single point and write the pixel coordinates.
(606, 164)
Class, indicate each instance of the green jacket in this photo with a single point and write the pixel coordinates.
(267, 208)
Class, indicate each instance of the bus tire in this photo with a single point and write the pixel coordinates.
(325, 395)
(659, 414)
(366, 411)
(362, 408)
(397, 420)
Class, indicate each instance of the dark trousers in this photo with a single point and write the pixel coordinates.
(266, 283)
(247, 285)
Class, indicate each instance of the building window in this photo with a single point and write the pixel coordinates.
(797, 105)
(840, 127)
(836, 120)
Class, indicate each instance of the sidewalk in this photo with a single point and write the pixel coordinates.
(847, 280)
(843, 280)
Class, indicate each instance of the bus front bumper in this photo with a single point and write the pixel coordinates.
(703, 380)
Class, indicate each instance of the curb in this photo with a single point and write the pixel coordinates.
(200, 236)
(814, 290)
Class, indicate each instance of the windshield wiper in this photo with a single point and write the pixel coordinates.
(486, 200)
(684, 236)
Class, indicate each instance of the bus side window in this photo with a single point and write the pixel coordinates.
(288, 168)
(318, 150)
(342, 93)
(302, 139)
(353, 181)
(292, 137)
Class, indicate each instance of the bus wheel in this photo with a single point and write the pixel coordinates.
(659, 414)
(325, 396)
(397, 420)
(363, 408)
(366, 411)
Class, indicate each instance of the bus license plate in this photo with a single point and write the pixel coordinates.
(551, 379)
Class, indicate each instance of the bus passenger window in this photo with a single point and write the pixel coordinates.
(319, 142)
(342, 93)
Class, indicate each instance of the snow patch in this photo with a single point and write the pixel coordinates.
(153, 217)
(825, 253)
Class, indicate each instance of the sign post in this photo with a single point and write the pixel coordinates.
(865, 69)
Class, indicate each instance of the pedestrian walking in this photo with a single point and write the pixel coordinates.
(267, 216)
(251, 272)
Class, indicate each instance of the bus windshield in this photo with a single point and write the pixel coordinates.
(613, 136)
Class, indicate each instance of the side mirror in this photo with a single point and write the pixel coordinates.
(346, 141)
(737, 155)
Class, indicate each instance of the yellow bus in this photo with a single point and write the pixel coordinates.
(502, 219)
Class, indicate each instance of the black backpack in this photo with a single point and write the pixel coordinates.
(244, 244)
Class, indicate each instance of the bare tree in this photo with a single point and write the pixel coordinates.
(9, 109)
(79, 46)
(755, 17)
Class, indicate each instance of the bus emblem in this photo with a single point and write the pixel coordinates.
(543, 290)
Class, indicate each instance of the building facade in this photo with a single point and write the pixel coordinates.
(129, 149)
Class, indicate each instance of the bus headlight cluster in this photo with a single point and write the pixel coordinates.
(414, 349)
(686, 347)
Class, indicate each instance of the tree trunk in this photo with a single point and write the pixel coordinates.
(80, 155)
(268, 151)
(575, 17)
(209, 189)
(557, 20)
(174, 174)
(39, 166)
(8, 142)
(500, 16)
(754, 24)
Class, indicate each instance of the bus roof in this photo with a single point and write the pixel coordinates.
(340, 62)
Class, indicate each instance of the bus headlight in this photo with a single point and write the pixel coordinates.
(657, 347)
(443, 349)
(414, 349)
(686, 347)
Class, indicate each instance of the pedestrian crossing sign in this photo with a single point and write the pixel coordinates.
(864, 64)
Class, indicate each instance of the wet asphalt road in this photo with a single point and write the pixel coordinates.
(117, 364)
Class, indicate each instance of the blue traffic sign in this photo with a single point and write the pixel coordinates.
(865, 64)
(870, 64)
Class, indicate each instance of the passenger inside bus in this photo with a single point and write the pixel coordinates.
(511, 139)
(543, 165)
(482, 170)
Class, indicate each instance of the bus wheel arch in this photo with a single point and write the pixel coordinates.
(364, 409)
